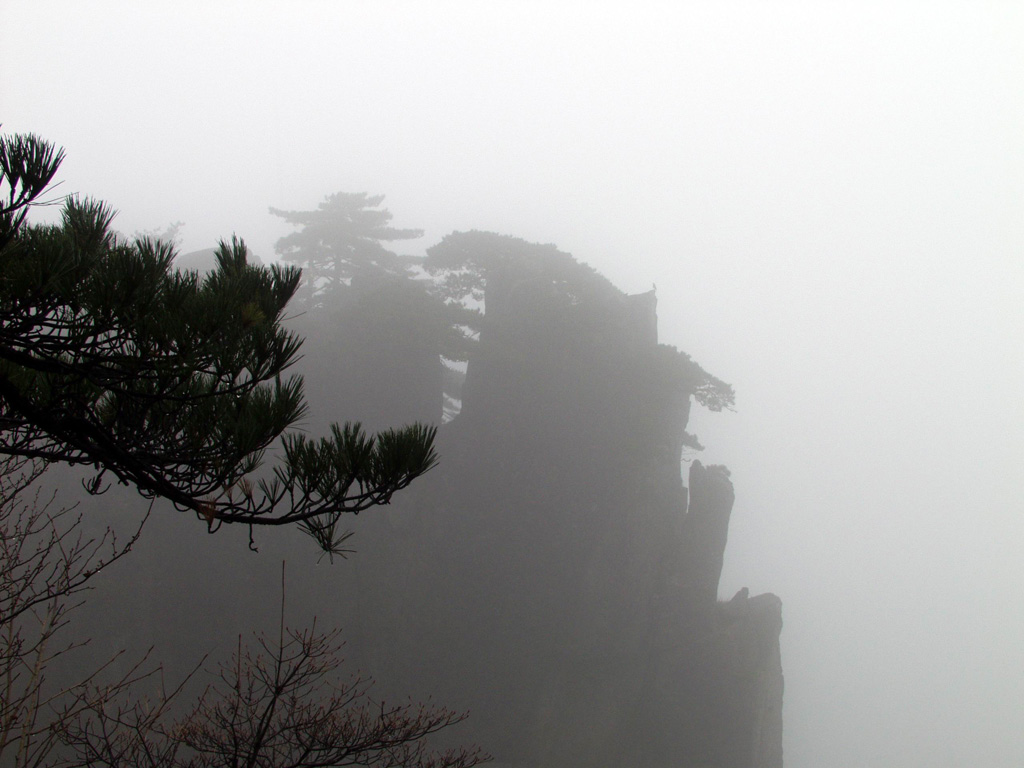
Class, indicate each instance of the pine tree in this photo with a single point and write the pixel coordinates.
(343, 240)
(163, 380)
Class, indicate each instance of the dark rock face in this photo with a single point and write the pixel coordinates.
(705, 531)
(553, 575)
(384, 369)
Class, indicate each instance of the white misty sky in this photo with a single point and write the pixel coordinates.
(828, 195)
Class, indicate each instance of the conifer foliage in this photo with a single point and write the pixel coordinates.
(343, 239)
(164, 380)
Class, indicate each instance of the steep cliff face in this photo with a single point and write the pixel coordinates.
(554, 576)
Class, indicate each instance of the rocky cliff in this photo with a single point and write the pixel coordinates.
(554, 576)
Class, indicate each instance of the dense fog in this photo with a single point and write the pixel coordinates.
(827, 197)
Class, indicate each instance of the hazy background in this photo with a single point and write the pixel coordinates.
(829, 196)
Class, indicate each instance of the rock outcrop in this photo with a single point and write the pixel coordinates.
(554, 576)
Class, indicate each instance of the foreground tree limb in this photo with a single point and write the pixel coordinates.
(165, 381)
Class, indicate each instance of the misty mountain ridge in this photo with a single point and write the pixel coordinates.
(553, 575)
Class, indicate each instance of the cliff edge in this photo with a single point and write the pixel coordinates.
(554, 575)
